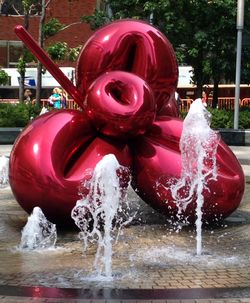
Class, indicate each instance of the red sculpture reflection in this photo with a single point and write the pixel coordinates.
(120, 104)
(126, 78)
(134, 47)
(52, 155)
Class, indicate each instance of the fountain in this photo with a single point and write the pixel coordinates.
(102, 210)
(138, 126)
(129, 110)
(38, 233)
(198, 145)
(4, 171)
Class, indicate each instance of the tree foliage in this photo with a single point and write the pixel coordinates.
(58, 51)
(4, 77)
(25, 9)
(52, 27)
(97, 19)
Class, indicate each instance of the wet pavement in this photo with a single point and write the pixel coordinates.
(152, 260)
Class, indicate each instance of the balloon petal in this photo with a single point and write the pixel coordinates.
(52, 156)
(157, 163)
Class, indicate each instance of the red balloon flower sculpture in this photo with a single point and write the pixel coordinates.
(126, 78)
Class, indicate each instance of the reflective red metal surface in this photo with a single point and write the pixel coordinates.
(52, 156)
(135, 47)
(126, 78)
(120, 104)
(157, 162)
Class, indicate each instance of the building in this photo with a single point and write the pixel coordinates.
(66, 11)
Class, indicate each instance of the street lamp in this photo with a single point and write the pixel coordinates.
(239, 27)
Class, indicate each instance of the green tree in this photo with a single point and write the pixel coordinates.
(203, 34)
(221, 39)
(97, 19)
(46, 30)
(245, 59)
(24, 59)
(61, 51)
(52, 27)
(4, 78)
(44, 5)
(57, 51)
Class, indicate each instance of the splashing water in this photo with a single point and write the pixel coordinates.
(4, 171)
(38, 233)
(198, 145)
(103, 210)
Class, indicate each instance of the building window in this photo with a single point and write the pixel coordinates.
(15, 7)
(10, 52)
(11, 7)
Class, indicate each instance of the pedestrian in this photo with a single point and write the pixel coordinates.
(64, 98)
(178, 99)
(204, 98)
(27, 96)
(55, 99)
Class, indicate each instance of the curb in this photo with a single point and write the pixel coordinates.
(8, 135)
(240, 137)
(233, 137)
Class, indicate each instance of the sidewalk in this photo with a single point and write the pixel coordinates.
(5, 150)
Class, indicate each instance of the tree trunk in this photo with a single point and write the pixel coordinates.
(199, 75)
(22, 75)
(21, 88)
(40, 42)
(199, 90)
(38, 83)
(215, 94)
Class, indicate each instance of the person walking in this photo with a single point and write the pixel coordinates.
(55, 98)
(64, 98)
(204, 98)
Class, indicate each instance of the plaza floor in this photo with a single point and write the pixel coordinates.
(152, 260)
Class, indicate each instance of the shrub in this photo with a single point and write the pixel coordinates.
(17, 115)
(244, 120)
(4, 77)
(222, 118)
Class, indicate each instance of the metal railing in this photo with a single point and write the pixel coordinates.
(70, 104)
(223, 103)
(245, 102)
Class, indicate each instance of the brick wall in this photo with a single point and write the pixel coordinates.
(67, 11)
(7, 24)
(70, 8)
